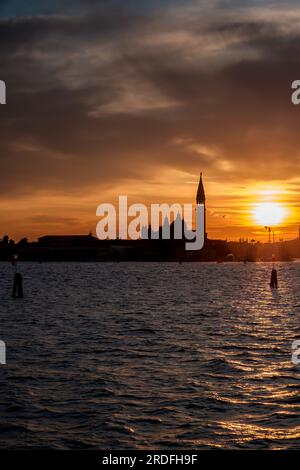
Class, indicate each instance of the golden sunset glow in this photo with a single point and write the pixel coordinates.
(269, 213)
(148, 126)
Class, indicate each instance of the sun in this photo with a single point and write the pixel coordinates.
(269, 213)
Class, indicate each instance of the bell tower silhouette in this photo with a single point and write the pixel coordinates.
(201, 199)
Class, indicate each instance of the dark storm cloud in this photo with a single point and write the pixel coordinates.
(12, 8)
(97, 97)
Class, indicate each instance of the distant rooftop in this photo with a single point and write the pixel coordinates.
(66, 239)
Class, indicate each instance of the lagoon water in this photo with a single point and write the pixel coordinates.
(150, 356)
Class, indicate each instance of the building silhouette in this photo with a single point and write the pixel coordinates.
(148, 247)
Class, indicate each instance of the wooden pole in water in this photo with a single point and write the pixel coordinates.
(274, 281)
(17, 292)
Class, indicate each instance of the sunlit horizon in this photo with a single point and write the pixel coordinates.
(234, 211)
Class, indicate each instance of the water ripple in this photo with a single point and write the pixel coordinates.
(162, 355)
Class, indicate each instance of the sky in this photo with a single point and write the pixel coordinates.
(108, 98)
